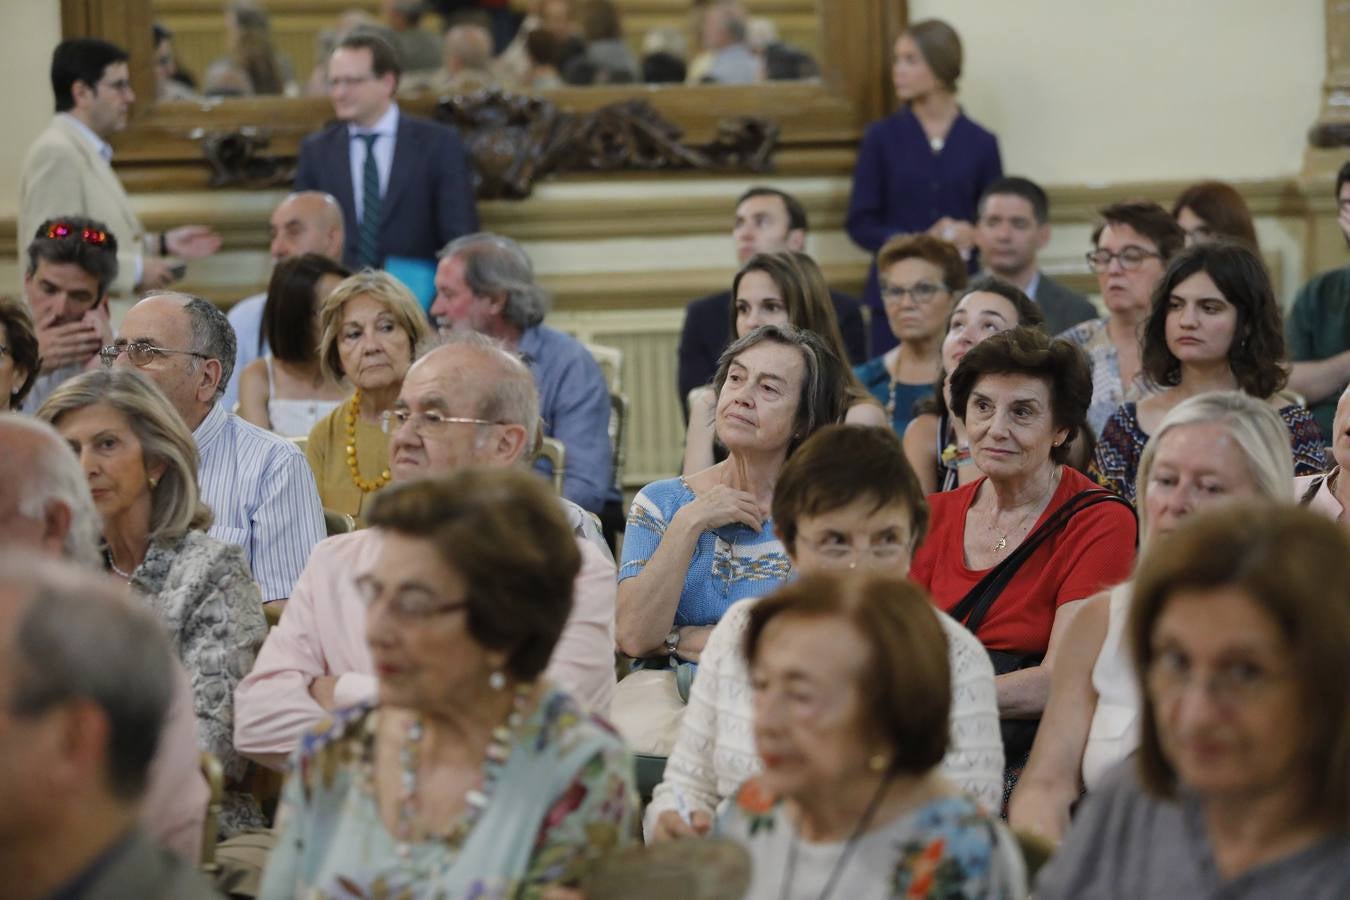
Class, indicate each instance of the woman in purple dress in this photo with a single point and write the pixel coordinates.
(924, 168)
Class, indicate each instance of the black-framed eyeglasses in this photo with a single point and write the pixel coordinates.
(141, 353)
(924, 292)
(392, 420)
(1130, 258)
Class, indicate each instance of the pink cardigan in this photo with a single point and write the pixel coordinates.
(323, 632)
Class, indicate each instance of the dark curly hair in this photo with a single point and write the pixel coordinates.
(1027, 351)
(1258, 339)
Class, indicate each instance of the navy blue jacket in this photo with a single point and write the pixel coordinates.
(430, 198)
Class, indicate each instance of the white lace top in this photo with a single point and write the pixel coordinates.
(715, 750)
(293, 418)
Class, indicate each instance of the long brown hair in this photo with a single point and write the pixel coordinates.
(809, 306)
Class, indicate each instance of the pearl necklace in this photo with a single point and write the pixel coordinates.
(363, 485)
(476, 800)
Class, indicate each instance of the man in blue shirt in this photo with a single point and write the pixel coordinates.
(485, 283)
(258, 485)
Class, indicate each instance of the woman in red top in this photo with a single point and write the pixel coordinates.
(1023, 399)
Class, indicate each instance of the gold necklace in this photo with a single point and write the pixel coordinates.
(1002, 543)
(363, 485)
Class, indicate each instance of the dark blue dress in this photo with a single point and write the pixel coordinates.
(900, 186)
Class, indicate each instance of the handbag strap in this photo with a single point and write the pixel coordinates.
(973, 608)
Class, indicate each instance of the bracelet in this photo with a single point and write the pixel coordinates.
(163, 244)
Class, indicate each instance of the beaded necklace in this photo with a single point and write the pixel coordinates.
(363, 485)
(476, 800)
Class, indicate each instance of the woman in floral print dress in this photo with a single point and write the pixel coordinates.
(472, 777)
(851, 698)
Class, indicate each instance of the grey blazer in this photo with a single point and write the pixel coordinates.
(1062, 307)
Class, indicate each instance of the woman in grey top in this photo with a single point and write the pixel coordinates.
(1241, 786)
(141, 463)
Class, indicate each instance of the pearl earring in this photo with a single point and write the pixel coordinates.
(497, 680)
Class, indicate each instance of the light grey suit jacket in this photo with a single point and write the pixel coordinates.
(1062, 307)
(63, 175)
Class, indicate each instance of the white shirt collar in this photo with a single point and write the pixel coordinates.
(387, 124)
(101, 147)
(1033, 284)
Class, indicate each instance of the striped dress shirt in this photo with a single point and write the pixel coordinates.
(263, 495)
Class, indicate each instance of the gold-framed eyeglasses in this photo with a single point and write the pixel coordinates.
(1130, 258)
(141, 353)
(424, 423)
(924, 293)
(407, 602)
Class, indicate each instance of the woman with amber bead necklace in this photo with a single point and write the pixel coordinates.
(371, 326)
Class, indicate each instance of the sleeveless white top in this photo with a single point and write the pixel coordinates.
(293, 418)
(1114, 733)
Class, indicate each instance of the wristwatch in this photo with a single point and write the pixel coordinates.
(672, 641)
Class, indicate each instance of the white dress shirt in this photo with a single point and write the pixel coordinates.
(387, 129)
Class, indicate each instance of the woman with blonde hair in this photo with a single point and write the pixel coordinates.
(371, 326)
(141, 462)
(776, 289)
(1208, 451)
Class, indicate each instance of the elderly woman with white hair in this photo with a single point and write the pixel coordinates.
(1209, 450)
(141, 463)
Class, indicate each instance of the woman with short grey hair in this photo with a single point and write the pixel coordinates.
(694, 545)
(141, 462)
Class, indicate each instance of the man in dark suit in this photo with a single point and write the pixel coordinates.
(404, 184)
(1012, 224)
(767, 221)
(85, 685)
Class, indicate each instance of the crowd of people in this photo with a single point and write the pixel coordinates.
(1005, 579)
(454, 47)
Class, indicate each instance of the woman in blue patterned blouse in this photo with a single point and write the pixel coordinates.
(1214, 325)
(924, 168)
(694, 545)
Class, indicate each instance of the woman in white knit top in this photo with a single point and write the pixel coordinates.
(846, 499)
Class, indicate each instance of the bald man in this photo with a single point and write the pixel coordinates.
(304, 222)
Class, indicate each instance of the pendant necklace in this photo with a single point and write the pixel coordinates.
(859, 830)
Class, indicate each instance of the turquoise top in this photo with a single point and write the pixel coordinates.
(729, 563)
(877, 380)
(564, 795)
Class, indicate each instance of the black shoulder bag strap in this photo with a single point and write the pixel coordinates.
(973, 607)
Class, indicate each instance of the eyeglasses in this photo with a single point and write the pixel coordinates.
(1170, 673)
(59, 231)
(840, 554)
(409, 602)
(1130, 258)
(923, 293)
(141, 353)
(348, 80)
(392, 420)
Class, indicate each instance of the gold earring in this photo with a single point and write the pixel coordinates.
(878, 762)
(153, 482)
